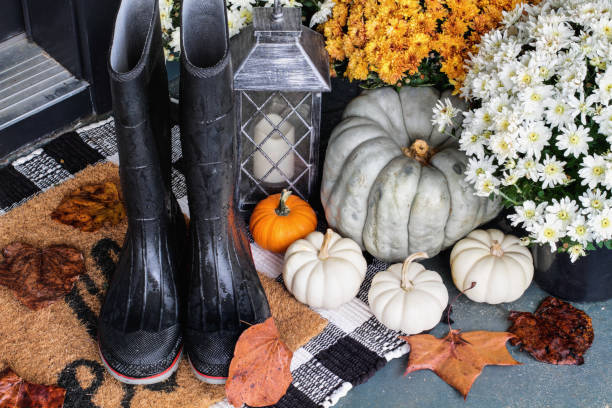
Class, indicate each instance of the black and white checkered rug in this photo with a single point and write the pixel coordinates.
(348, 352)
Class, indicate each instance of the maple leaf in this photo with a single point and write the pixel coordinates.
(259, 373)
(38, 277)
(91, 207)
(458, 359)
(557, 333)
(17, 393)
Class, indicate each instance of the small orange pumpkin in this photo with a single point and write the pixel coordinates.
(281, 219)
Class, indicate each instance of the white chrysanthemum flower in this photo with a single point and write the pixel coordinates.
(486, 185)
(479, 167)
(175, 41)
(557, 112)
(324, 13)
(593, 201)
(529, 168)
(582, 104)
(503, 146)
(575, 252)
(549, 232)
(235, 21)
(512, 16)
(443, 114)
(472, 143)
(552, 172)
(604, 119)
(242, 4)
(527, 214)
(574, 140)
(593, 170)
(565, 210)
(604, 90)
(579, 231)
(533, 138)
(601, 225)
(511, 177)
(533, 98)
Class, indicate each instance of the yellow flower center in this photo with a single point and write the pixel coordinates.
(563, 215)
(529, 213)
(487, 186)
(549, 233)
(559, 109)
(526, 79)
(580, 230)
(605, 223)
(598, 170)
(596, 204)
(503, 145)
(574, 139)
(533, 136)
(551, 169)
(536, 97)
(479, 171)
(486, 118)
(474, 138)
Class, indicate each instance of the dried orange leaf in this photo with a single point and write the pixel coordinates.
(557, 333)
(91, 207)
(38, 277)
(17, 393)
(259, 373)
(458, 359)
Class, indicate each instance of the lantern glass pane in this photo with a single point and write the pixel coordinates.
(276, 136)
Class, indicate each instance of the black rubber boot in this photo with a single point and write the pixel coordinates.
(224, 292)
(139, 332)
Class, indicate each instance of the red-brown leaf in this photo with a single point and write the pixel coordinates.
(557, 333)
(458, 359)
(259, 373)
(39, 277)
(17, 393)
(91, 207)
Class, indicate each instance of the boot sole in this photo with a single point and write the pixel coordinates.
(206, 378)
(154, 379)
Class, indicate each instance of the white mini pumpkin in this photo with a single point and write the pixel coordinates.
(501, 267)
(395, 184)
(408, 297)
(324, 271)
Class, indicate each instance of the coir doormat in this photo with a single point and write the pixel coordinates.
(55, 345)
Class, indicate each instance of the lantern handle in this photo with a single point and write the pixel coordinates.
(277, 14)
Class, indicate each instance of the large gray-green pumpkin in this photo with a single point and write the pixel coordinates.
(382, 190)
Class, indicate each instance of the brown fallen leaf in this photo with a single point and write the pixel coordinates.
(458, 359)
(91, 207)
(557, 333)
(259, 373)
(39, 277)
(17, 393)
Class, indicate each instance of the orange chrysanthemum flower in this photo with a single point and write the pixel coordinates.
(392, 37)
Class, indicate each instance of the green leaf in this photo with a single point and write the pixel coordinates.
(608, 244)
(600, 244)
(590, 247)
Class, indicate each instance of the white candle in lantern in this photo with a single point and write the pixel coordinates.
(275, 147)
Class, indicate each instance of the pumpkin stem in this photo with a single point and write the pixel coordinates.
(323, 252)
(406, 283)
(496, 249)
(282, 209)
(420, 151)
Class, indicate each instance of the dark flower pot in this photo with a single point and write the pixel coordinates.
(588, 279)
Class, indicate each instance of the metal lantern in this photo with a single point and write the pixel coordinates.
(280, 70)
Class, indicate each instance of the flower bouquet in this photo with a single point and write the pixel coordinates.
(541, 132)
(408, 42)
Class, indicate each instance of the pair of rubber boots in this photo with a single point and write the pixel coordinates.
(172, 290)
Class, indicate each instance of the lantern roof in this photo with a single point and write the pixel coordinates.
(277, 53)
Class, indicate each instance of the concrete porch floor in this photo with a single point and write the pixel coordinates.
(533, 384)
